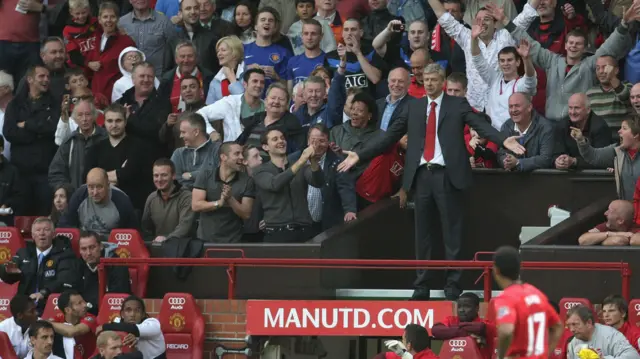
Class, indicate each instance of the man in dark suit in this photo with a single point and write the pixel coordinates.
(335, 202)
(394, 105)
(437, 168)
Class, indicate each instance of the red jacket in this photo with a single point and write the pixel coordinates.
(416, 90)
(453, 328)
(109, 72)
(79, 40)
(632, 333)
(486, 158)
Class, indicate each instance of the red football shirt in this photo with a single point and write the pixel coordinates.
(632, 333)
(490, 334)
(528, 309)
(86, 343)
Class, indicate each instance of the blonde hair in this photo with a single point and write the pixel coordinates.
(104, 337)
(235, 45)
(78, 4)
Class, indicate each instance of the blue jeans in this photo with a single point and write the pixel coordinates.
(17, 57)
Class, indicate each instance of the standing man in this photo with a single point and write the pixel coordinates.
(437, 168)
(527, 324)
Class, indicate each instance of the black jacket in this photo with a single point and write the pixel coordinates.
(12, 191)
(595, 130)
(58, 270)
(117, 282)
(400, 110)
(205, 41)
(33, 146)
(145, 121)
(289, 125)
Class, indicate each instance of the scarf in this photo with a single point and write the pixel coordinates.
(177, 104)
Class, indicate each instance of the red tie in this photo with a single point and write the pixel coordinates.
(430, 138)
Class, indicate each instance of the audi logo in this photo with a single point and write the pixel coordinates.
(123, 236)
(637, 307)
(177, 301)
(4, 302)
(458, 343)
(115, 301)
(5, 235)
(66, 234)
(569, 305)
(55, 301)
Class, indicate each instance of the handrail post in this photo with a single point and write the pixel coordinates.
(102, 281)
(231, 276)
(486, 272)
(626, 281)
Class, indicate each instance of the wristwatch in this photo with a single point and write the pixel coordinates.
(216, 204)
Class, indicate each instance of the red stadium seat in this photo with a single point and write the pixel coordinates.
(6, 348)
(51, 310)
(568, 303)
(634, 312)
(23, 223)
(10, 241)
(110, 307)
(131, 245)
(74, 236)
(182, 325)
(460, 348)
(7, 291)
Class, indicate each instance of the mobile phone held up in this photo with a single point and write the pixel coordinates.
(397, 27)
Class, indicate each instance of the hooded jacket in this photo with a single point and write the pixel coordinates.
(125, 82)
(110, 64)
(68, 164)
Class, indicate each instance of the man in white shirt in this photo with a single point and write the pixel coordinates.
(6, 95)
(41, 335)
(24, 315)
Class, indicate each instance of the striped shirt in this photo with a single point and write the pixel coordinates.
(613, 105)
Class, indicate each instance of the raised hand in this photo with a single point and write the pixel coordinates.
(351, 160)
(496, 12)
(476, 28)
(576, 133)
(524, 49)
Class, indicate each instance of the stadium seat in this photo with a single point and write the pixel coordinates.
(74, 236)
(131, 245)
(51, 310)
(23, 223)
(460, 348)
(10, 241)
(568, 303)
(6, 348)
(110, 307)
(7, 291)
(634, 312)
(182, 325)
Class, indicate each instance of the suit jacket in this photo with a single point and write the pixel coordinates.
(338, 191)
(538, 141)
(400, 110)
(455, 112)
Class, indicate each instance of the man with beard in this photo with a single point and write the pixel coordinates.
(53, 56)
(30, 125)
(224, 197)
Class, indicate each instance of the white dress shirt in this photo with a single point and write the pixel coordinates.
(51, 356)
(20, 341)
(438, 158)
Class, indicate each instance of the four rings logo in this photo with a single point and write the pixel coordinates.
(458, 343)
(115, 303)
(5, 235)
(4, 302)
(637, 307)
(569, 305)
(66, 234)
(123, 236)
(177, 302)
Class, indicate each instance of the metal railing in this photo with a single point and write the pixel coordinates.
(233, 264)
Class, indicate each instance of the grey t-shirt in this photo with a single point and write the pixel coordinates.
(98, 217)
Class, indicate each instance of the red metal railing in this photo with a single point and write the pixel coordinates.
(233, 263)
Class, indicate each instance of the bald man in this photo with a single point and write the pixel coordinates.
(419, 59)
(395, 104)
(99, 207)
(537, 137)
(593, 127)
(634, 96)
(617, 230)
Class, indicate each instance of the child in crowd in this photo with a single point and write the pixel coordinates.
(128, 58)
(80, 35)
(305, 10)
(77, 82)
(481, 151)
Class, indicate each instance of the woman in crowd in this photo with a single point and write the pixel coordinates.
(244, 17)
(324, 74)
(228, 81)
(61, 198)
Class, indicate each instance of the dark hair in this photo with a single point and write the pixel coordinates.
(463, 6)
(190, 77)
(34, 329)
(109, 5)
(246, 149)
(247, 74)
(507, 260)
(367, 100)
(117, 108)
(31, 71)
(135, 299)
(264, 139)
(165, 162)
(19, 304)
(253, 10)
(74, 71)
(576, 33)
(65, 298)
(89, 234)
(585, 314)
(226, 147)
(68, 189)
(459, 78)
(356, 20)
(634, 124)
(512, 50)
(312, 21)
(49, 40)
(320, 127)
(417, 336)
(618, 302)
(195, 120)
(306, 2)
(472, 297)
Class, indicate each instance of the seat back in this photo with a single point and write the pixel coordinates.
(6, 348)
(460, 348)
(23, 223)
(7, 291)
(110, 307)
(567, 303)
(131, 245)
(74, 236)
(182, 325)
(634, 312)
(10, 241)
(51, 309)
